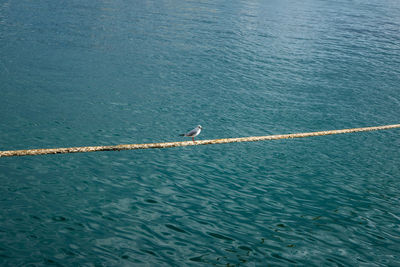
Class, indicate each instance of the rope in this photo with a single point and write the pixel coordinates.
(12, 153)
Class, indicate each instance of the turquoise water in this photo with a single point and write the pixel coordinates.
(77, 73)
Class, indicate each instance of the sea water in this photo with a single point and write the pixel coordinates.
(83, 73)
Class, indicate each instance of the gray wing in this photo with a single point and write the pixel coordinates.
(192, 132)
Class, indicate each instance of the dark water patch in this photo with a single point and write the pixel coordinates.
(245, 248)
(149, 252)
(51, 262)
(172, 227)
(377, 236)
(59, 218)
(35, 217)
(219, 236)
(80, 225)
(282, 258)
(4, 256)
(68, 252)
(361, 260)
(109, 218)
(335, 262)
(197, 259)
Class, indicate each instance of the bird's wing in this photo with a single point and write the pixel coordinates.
(192, 132)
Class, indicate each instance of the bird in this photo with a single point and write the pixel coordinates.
(193, 133)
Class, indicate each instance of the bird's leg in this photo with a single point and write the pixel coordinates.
(193, 139)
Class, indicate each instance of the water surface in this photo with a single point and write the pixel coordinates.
(77, 73)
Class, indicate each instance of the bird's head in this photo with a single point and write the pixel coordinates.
(199, 126)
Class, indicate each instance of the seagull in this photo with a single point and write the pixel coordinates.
(193, 133)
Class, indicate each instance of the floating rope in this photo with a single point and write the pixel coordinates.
(31, 152)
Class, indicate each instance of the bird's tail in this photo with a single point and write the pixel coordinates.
(182, 135)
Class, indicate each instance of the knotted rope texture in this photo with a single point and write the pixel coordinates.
(31, 152)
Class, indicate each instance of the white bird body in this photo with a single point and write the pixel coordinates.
(193, 133)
